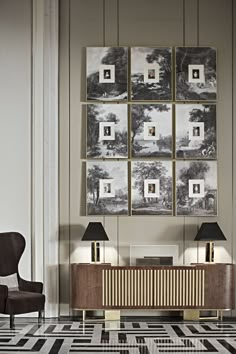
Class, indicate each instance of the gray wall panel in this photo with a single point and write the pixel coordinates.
(151, 22)
(111, 22)
(217, 31)
(139, 22)
(191, 22)
(64, 157)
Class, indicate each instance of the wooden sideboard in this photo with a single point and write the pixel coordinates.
(198, 286)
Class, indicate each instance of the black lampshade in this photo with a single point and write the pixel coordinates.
(210, 231)
(95, 232)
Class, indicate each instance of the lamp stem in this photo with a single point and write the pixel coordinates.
(210, 251)
(95, 252)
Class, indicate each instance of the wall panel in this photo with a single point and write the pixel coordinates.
(234, 129)
(111, 22)
(233, 211)
(15, 122)
(144, 23)
(148, 23)
(191, 24)
(218, 32)
(64, 153)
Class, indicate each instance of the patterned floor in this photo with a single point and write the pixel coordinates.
(128, 337)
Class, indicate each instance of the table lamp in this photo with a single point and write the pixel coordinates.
(95, 232)
(209, 232)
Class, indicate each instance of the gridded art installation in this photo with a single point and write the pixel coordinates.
(196, 188)
(152, 187)
(195, 74)
(151, 74)
(151, 130)
(107, 188)
(195, 132)
(107, 131)
(107, 73)
(151, 139)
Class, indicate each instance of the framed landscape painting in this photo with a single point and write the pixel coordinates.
(196, 78)
(107, 131)
(195, 131)
(151, 188)
(107, 188)
(106, 72)
(196, 188)
(151, 130)
(151, 74)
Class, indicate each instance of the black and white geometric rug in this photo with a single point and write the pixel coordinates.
(128, 337)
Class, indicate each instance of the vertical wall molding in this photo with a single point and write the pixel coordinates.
(45, 150)
(190, 38)
(37, 141)
(64, 165)
(234, 128)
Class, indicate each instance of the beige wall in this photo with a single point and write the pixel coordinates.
(140, 23)
(15, 122)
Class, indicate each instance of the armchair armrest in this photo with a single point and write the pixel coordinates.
(3, 296)
(31, 286)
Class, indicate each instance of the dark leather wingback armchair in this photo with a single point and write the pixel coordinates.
(29, 297)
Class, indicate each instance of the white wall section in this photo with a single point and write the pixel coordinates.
(15, 122)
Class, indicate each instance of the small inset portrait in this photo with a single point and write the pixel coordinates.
(151, 73)
(196, 74)
(107, 74)
(196, 130)
(106, 131)
(196, 188)
(106, 188)
(151, 188)
(151, 131)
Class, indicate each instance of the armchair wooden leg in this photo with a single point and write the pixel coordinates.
(40, 316)
(12, 324)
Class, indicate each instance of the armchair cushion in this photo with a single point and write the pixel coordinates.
(31, 286)
(24, 302)
(10, 281)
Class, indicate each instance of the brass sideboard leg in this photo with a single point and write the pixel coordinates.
(191, 315)
(221, 314)
(84, 315)
(112, 315)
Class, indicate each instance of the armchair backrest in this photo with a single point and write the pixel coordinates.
(12, 245)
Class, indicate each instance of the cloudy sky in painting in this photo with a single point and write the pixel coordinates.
(210, 177)
(120, 110)
(117, 171)
(94, 57)
(138, 59)
(135, 193)
(164, 120)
